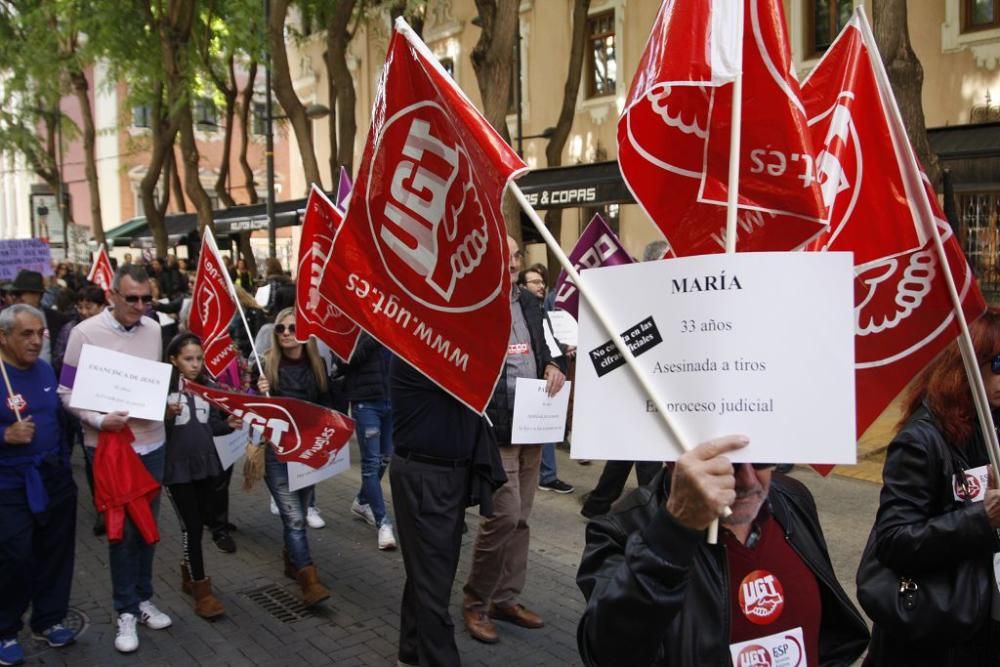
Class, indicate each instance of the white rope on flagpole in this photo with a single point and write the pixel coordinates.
(926, 216)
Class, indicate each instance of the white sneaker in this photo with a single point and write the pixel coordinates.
(274, 507)
(314, 519)
(386, 540)
(127, 640)
(363, 512)
(151, 617)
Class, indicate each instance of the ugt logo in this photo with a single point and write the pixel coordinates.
(437, 240)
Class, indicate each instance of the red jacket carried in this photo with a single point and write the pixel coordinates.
(122, 484)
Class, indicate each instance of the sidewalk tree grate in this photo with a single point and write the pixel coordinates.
(279, 603)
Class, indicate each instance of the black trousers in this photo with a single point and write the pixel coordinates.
(612, 483)
(36, 555)
(217, 520)
(429, 501)
(192, 502)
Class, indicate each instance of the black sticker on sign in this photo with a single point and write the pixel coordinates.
(640, 338)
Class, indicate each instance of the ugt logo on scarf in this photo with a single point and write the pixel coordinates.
(415, 224)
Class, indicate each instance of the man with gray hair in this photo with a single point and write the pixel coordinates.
(37, 492)
(123, 327)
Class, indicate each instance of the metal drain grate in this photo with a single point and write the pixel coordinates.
(279, 603)
(75, 620)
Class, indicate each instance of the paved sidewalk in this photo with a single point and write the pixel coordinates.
(359, 624)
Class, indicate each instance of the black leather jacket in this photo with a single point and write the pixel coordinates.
(919, 528)
(657, 593)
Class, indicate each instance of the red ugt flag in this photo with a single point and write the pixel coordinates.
(101, 273)
(315, 313)
(212, 308)
(673, 137)
(904, 314)
(300, 431)
(421, 260)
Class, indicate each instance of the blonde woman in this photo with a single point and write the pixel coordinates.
(295, 370)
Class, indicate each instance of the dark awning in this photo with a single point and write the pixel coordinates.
(957, 142)
(576, 186)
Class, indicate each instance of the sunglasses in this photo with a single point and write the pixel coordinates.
(996, 365)
(281, 328)
(134, 298)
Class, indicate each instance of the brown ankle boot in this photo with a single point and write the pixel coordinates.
(206, 604)
(185, 578)
(289, 568)
(313, 592)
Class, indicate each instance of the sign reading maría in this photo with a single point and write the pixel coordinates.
(109, 381)
(760, 344)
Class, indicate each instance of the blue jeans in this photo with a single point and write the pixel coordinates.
(547, 471)
(132, 559)
(374, 429)
(292, 508)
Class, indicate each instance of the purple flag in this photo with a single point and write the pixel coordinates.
(597, 246)
(344, 188)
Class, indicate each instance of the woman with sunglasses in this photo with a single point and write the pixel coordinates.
(295, 370)
(938, 511)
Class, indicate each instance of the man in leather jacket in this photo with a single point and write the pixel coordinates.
(659, 594)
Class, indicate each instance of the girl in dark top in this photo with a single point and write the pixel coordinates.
(295, 370)
(192, 465)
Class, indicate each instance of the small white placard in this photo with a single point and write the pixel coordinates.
(263, 295)
(300, 475)
(782, 649)
(107, 381)
(538, 418)
(564, 327)
(232, 446)
(758, 344)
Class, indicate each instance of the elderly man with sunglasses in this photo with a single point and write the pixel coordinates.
(659, 594)
(124, 328)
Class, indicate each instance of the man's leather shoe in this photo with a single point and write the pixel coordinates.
(518, 615)
(480, 627)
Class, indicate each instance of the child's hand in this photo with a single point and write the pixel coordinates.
(234, 422)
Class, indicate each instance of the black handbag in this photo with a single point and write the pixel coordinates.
(949, 605)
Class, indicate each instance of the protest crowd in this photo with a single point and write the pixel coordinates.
(161, 376)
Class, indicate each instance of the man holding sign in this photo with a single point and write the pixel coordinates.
(659, 594)
(500, 559)
(124, 328)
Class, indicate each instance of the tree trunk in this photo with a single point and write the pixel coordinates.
(229, 92)
(493, 60)
(81, 88)
(907, 77)
(246, 252)
(246, 106)
(342, 83)
(173, 182)
(554, 149)
(192, 183)
(284, 90)
(161, 144)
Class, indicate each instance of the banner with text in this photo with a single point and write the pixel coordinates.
(597, 246)
(30, 254)
(760, 344)
(212, 308)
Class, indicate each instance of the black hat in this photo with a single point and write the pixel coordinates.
(27, 281)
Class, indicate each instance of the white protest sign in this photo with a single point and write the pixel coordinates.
(300, 475)
(263, 295)
(564, 327)
(232, 446)
(107, 381)
(538, 419)
(759, 344)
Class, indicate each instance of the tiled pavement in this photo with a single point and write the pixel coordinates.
(359, 624)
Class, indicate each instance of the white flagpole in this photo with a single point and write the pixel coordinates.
(210, 241)
(10, 388)
(926, 217)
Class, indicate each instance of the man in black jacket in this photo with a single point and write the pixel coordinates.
(658, 594)
(500, 559)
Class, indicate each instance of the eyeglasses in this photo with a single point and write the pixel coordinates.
(996, 365)
(281, 328)
(536, 281)
(135, 298)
